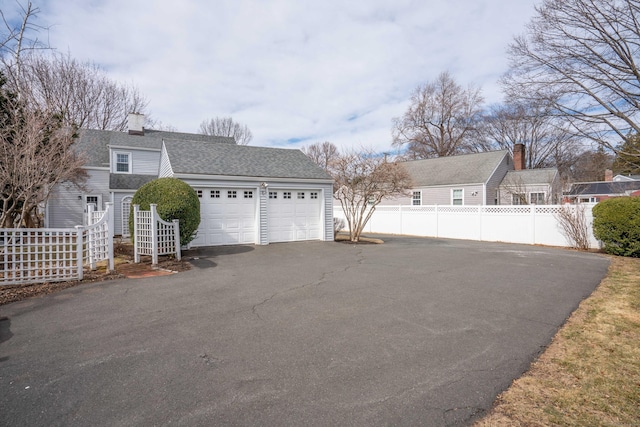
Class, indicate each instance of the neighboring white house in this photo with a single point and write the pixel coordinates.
(486, 178)
(248, 195)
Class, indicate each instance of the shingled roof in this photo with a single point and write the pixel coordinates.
(189, 157)
(199, 155)
(95, 143)
(530, 177)
(474, 168)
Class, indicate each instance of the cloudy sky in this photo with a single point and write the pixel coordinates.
(296, 72)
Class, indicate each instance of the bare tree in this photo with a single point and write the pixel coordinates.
(581, 56)
(323, 154)
(442, 120)
(361, 181)
(35, 154)
(20, 36)
(547, 141)
(225, 126)
(80, 92)
(572, 220)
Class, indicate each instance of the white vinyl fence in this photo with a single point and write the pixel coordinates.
(152, 236)
(529, 224)
(36, 255)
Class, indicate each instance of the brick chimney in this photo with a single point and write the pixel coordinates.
(608, 175)
(135, 123)
(519, 157)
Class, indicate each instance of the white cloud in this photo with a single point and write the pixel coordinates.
(291, 70)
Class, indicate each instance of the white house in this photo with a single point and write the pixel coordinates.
(248, 195)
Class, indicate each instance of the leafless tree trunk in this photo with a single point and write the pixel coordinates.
(361, 181)
(17, 39)
(581, 56)
(225, 126)
(323, 154)
(442, 120)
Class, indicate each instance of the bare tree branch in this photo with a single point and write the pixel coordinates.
(581, 56)
(225, 126)
(323, 154)
(442, 120)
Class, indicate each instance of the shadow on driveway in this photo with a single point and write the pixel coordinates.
(415, 331)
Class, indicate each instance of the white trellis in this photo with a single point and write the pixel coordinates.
(35, 255)
(153, 236)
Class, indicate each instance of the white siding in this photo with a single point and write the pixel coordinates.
(145, 162)
(495, 180)
(65, 206)
(166, 171)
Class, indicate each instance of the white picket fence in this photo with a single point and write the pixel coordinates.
(36, 255)
(529, 224)
(152, 236)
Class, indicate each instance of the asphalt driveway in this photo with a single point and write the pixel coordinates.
(413, 332)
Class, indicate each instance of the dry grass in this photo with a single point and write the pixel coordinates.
(590, 374)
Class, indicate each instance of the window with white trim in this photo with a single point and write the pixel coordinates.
(123, 162)
(214, 194)
(457, 196)
(199, 193)
(300, 195)
(232, 194)
(518, 199)
(313, 195)
(248, 194)
(416, 200)
(286, 194)
(273, 194)
(537, 198)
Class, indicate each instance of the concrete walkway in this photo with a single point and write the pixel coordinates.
(411, 332)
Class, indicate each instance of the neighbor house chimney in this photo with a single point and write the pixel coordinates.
(518, 157)
(608, 175)
(135, 123)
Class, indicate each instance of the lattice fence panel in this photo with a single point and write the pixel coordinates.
(38, 255)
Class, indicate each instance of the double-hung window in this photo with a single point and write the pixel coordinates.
(416, 199)
(457, 196)
(123, 162)
(537, 198)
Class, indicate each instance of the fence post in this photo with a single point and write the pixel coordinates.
(154, 234)
(136, 239)
(176, 236)
(437, 223)
(79, 259)
(533, 224)
(110, 234)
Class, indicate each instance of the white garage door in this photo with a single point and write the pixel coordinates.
(228, 217)
(294, 215)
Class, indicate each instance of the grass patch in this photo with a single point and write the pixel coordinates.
(590, 373)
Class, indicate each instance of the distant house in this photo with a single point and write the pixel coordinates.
(487, 178)
(248, 195)
(530, 187)
(593, 192)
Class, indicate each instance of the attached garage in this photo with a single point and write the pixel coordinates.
(228, 216)
(294, 215)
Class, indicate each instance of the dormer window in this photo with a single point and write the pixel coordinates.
(123, 162)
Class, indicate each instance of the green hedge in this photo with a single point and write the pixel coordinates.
(616, 222)
(175, 200)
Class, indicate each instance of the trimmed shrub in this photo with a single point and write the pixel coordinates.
(175, 200)
(616, 222)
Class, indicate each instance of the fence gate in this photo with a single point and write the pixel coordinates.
(153, 236)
